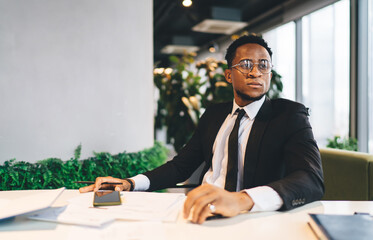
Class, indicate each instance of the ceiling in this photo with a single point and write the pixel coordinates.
(173, 22)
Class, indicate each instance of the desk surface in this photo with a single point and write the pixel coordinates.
(267, 225)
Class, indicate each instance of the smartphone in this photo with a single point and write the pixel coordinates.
(106, 198)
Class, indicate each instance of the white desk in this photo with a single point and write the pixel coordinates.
(267, 225)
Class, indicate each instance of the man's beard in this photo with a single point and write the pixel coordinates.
(247, 97)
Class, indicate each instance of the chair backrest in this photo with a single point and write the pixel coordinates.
(348, 175)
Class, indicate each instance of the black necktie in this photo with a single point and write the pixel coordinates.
(232, 168)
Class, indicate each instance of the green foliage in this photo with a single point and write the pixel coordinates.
(184, 94)
(217, 88)
(172, 112)
(343, 143)
(276, 86)
(77, 151)
(55, 173)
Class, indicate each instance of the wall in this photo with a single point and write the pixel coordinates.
(75, 71)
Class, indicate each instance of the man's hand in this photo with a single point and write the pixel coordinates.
(228, 204)
(123, 186)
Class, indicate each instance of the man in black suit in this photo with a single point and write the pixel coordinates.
(259, 154)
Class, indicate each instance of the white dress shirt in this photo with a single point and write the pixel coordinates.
(264, 197)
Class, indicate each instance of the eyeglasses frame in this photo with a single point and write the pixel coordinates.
(238, 64)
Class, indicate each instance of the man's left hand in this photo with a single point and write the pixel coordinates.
(226, 203)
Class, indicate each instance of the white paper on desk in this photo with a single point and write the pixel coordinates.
(73, 214)
(143, 206)
(122, 230)
(29, 203)
(4, 203)
(173, 214)
(147, 206)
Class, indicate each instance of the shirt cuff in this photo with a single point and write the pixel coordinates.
(142, 182)
(264, 198)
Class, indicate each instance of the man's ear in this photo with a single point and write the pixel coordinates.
(227, 74)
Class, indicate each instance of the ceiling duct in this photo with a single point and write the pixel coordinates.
(224, 21)
(180, 45)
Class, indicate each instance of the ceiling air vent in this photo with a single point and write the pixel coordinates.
(180, 45)
(179, 49)
(222, 21)
(219, 26)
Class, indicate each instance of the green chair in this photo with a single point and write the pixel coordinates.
(348, 175)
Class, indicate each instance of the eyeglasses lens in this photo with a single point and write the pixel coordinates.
(247, 66)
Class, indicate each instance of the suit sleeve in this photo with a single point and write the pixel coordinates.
(303, 180)
(181, 167)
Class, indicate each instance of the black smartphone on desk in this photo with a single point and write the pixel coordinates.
(106, 198)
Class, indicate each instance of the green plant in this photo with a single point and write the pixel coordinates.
(174, 86)
(217, 88)
(346, 143)
(184, 94)
(54, 173)
(276, 86)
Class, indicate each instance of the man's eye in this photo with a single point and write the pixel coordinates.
(263, 66)
(246, 64)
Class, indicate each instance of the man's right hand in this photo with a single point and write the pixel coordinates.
(122, 186)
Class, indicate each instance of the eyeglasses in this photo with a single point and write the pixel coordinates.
(246, 66)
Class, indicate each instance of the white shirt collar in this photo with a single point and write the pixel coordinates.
(251, 109)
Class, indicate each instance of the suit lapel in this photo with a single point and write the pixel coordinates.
(216, 121)
(254, 142)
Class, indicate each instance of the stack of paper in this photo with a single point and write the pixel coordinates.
(142, 206)
(129, 230)
(148, 206)
(34, 202)
(72, 214)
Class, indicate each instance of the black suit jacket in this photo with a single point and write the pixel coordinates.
(281, 153)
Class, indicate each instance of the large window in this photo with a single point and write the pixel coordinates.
(282, 42)
(325, 67)
(326, 47)
(313, 56)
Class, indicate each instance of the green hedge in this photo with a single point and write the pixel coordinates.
(55, 173)
(346, 143)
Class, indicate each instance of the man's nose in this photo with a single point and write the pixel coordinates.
(254, 72)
